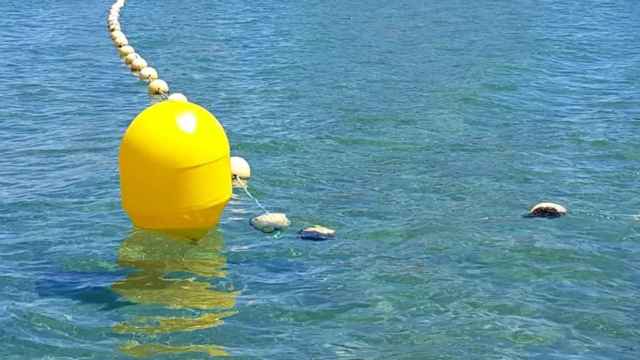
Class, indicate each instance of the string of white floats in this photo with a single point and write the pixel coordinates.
(138, 65)
(240, 169)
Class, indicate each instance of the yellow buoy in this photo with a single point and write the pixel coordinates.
(174, 168)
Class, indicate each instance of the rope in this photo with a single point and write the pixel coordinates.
(245, 187)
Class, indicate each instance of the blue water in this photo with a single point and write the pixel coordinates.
(421, 131)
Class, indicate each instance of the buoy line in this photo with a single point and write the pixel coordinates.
(159, 90)
(138, 65)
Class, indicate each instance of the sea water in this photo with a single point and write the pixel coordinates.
(422, 131)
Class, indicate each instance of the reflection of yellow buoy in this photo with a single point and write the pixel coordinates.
(136, 349)
(175, 273)
(174, 168)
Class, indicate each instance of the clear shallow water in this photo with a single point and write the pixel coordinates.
(421, 132)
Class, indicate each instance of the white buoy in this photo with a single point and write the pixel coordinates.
(148, 74)
(547, 209)
(115, 27)
(270, 222)
(121, 41)
(126, 50)
(240, 167)
(317, 233)
(116, 34)
(138, 64)
(130, 58)
(178, 97)
(158, 87)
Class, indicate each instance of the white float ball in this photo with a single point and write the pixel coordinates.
(121, 41)
(178, 97)
(126, 50)
(138, 64)
(130, 58)
(548, 209)
(148, 74)
(158, 87)
(115, 26)
(240, 167)
(115, 34)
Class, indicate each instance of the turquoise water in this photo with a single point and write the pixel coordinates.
(420, 131)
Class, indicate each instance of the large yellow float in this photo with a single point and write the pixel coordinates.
(175, 169)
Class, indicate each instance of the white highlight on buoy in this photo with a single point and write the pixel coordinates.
(158, 87)
(240, 167)
(138, 64)
(187, 123)
(270, 222)
(548, 209)
(178, 97)
(148, 74)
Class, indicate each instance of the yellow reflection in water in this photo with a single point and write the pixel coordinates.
(136, 349)
(173, 272)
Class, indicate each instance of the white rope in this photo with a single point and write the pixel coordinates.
(245, 187)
